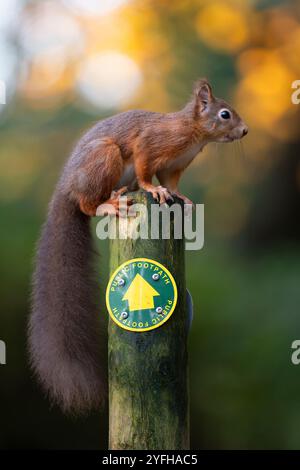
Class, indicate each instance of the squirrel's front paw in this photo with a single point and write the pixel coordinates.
(161, 194)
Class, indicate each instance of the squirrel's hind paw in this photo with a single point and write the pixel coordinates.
(116, 206)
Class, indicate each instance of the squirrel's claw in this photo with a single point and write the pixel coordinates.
(161, 194)
(185, 199)
(115, 194)
(116, 205)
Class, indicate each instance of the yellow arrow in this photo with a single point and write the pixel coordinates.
(140, 294)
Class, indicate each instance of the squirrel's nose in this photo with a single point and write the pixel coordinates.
(244, 131)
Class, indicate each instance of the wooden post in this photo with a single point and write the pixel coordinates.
(148, 391)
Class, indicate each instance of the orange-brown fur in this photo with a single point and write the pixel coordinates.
(151, 142)
(124, 150)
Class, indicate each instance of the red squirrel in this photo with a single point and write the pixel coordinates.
(122, 152)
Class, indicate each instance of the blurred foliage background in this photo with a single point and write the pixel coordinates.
(68, 63)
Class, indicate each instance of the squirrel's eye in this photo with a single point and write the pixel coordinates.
(225, 114)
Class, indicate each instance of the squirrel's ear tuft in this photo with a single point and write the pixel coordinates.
(203, 91)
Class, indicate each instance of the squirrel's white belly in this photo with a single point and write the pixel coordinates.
(128, 177)
(185, 158)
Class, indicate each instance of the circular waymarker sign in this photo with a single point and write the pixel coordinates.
(141, 295)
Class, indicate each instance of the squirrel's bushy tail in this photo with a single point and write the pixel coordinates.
(64, 328)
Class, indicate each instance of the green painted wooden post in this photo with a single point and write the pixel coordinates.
(148, 391)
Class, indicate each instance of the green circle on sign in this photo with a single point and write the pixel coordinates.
(141, 295)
